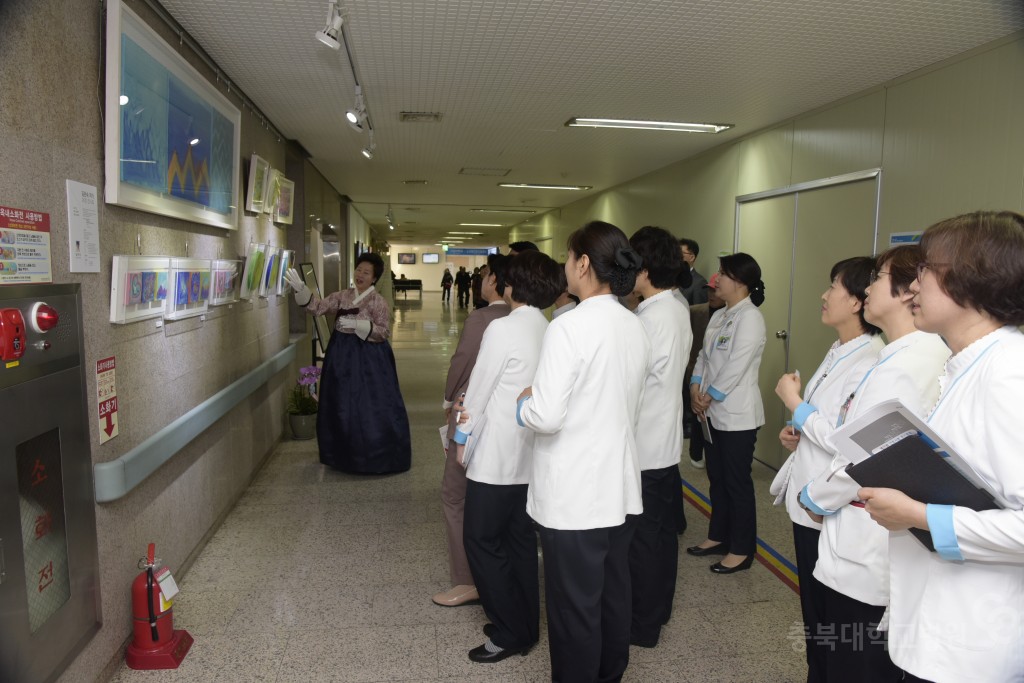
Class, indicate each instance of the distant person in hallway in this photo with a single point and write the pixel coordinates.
(453, 481)
(584, 490)
(726, 397)
(475, 282)
(462, 282)
(853, 552)
(565, 301)
(519, 247)
(654, 551)
(842, 309)
(362, 426)
(700, 314)
(691, 288)
(446, 286)
(955, 614)
(500, 540)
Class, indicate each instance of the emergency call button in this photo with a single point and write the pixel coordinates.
(12, 334)
(43, 317)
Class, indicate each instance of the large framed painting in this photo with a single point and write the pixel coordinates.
(172, 139)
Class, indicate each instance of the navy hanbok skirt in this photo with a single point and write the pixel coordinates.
(362, 426)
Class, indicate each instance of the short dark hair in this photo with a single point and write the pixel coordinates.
(743, 268)
(901, 265)
(691, 245)
(533, 277)
(613, 261)
(496, 264)
(520, 247)
(661, 258)
(854, 274)
(374, 260)
(979, 262)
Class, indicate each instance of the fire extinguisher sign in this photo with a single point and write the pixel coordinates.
(106, 398)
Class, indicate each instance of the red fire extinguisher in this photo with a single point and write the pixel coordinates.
(155, 643)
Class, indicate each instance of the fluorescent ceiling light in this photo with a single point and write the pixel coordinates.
(540, 186)
(504, 210)
(456, 232)
(649, 125)
(480, 225)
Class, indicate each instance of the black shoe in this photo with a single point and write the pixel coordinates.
(697, 551)
(490, 630)
(643, 642)
(719, 568)
(480, 654)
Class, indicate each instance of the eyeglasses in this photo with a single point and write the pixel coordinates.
(875, 274)
(925, 265)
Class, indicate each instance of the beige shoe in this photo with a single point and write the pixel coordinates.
(459, 595)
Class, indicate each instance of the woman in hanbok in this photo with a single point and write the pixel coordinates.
(362, 426)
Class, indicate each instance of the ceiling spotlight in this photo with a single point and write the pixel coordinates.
(368, 151)
(356, 116)
(389, 217)
(332, 27)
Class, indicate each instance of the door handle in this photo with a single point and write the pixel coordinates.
(782, 334)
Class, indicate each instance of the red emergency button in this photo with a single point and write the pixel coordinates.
(43, 317)
(12, 334)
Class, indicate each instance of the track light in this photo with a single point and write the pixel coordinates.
(356, 116)
(332, 27)
(369, 150)
(390, 218)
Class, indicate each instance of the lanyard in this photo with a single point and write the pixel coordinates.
(958, 378)
(849, 399)
(831, 368)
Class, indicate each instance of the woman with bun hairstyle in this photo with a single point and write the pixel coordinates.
(724, 394)
(956, 614)
(585, 483)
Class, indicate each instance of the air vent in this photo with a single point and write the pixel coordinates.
(496, 172)
(419, 116)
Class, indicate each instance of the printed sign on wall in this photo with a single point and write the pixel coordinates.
(106, 398)
(24, 246)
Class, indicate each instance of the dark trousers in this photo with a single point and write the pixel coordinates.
(446, 293)
(502, 549)
(733, 512)
(855, 650)
(654, 556)
(678, 504)
(586, 581)
(805, 543)
(463, 296)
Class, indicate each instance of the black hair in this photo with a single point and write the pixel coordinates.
(854, 275)
(691, 245)
(612, 260)
(496, 264)
(533, 277)
(744, 269)
(374, 260)
(661, 257)
(520, 247)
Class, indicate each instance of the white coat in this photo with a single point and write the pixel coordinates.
(961, 617)
(659, 432)
(727, 367)
(584, 408)
(853, 551)
(823, 395)
(505, 365)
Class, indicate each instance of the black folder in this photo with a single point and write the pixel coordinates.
(918, 468)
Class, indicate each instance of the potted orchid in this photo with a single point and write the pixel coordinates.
(302, 403)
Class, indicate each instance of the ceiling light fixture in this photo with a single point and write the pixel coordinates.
(390, 218)
(332, 27)
(481, 225)
(542, 186)
(504, 210)
(459, 232)
(368, 152)
(675, 126)
(356, 116)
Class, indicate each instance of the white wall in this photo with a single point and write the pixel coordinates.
(430, 273)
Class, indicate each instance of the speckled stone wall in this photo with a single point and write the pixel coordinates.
(51, 129)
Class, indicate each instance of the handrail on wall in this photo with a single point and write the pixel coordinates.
(114, 479)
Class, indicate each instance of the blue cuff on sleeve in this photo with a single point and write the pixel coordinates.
(940, 522)
(805, 498)
(716, 394)
(695, 379)
(519, 407)
(800, 415)
(460, 437)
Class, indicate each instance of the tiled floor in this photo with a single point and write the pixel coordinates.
(320, 576)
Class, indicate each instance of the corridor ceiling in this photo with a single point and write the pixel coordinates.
(505, 76)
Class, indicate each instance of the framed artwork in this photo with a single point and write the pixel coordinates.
(285, 206)
(323, 328)
(138, 288)
(431, 258)
(253, 271)
(259, 170)
(188, 298)
(406, 259)
(287, 261)
(271, 272)
(226, 277)
(272, 192)
(171, 138)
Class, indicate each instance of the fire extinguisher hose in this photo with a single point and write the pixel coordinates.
(149, 600)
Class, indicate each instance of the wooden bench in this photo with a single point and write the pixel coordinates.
(405, 285)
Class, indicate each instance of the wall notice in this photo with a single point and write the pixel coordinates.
(24, 246)
(83, 228)
(106, 398)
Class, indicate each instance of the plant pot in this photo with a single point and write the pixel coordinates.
(303, 426)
